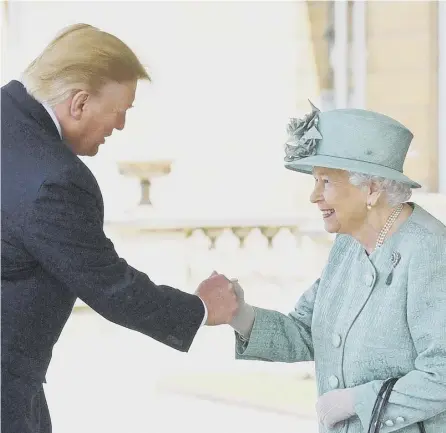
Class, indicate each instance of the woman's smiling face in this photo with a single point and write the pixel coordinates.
(343, 205)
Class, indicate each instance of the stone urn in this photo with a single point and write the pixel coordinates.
(146, 172)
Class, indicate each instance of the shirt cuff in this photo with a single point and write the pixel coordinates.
(205, 318)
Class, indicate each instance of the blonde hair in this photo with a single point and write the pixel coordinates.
(81, 57)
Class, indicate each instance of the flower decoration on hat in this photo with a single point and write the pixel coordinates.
(302, 136)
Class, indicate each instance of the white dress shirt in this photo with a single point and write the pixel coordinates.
(53, 116)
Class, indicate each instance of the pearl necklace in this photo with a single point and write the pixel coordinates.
(389, 223)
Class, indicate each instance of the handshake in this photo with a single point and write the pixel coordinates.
(225, 303)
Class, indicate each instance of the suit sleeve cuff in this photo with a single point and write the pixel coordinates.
(205, 318)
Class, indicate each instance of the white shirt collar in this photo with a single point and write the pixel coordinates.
(53, 116)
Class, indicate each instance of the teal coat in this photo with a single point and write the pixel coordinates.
(361, 331)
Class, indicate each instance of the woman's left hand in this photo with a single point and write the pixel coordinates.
(335, 406)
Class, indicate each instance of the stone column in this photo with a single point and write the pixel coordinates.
(402, 79)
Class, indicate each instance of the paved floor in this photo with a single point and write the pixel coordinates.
(171, 413)
(104, 378)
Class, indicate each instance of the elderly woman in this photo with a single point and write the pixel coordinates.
(378, 310)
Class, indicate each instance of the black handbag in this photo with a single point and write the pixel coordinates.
(380, 405)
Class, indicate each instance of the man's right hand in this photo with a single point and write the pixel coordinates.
(217, 292)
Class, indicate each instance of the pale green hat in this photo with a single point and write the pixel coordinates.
(349, 139)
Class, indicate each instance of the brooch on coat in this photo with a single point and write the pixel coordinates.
(395, 259)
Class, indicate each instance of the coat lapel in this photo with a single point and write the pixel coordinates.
(366, 276)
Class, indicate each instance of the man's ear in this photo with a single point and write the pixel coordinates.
(78, 103)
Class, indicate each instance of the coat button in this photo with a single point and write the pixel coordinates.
(400, 420)
(389, 423)
(333, 381)
(336, 340)
(369, 279)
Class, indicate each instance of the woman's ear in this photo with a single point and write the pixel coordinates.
(374, 194)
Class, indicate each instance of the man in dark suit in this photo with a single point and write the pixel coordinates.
(54, 249)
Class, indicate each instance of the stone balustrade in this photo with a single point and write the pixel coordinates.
(266, 253)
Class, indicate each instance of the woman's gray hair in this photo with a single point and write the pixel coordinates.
(395, 192)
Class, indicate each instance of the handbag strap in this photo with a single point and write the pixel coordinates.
(380, 405)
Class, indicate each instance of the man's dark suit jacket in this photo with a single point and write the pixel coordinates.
(53, 250)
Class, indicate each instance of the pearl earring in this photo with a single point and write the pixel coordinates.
(369, 206)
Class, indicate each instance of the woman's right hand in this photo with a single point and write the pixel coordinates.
(243, 320)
